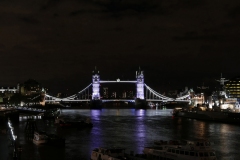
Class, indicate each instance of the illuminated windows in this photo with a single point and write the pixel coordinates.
(233, 87)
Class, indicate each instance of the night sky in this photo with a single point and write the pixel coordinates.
(176, 43)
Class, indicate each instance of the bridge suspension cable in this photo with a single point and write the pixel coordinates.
(75, 95)
(183, 97)
(72, 97)
(35, 97)
(157, 94)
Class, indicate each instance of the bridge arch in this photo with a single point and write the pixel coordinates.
(96, 84)
(143, 92)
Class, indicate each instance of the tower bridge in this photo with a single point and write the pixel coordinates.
(143, 92)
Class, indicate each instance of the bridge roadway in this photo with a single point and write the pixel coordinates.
(42, 109)
(30, 110)
(116, 100)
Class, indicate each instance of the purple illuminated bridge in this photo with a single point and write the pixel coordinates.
(143, 92)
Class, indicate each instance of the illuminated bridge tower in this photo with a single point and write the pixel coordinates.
(95, 85)
(140, 85)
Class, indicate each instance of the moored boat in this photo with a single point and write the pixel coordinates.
(219, 107)
(40, 137)
(186, 150)
(171, 142)
(114, 153)
(225, 116)
(165, 150)
(108, 153)
(76, 124)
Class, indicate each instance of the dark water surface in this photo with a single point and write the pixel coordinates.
(128, 128)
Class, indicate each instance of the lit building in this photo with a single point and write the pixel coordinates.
(124, 94)
(30, 87)
(9, 89)
(7, 92)
(233, 87)
(198, 99)
(105, 92)
(130, 94)
(114, 94)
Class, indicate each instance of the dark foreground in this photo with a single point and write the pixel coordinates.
(128, 128)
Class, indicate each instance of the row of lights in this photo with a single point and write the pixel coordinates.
(14, 137)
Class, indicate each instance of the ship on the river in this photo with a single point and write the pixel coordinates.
(74, 124)
(167, 150)
(220, 107)
(41, 137)
(181, 150)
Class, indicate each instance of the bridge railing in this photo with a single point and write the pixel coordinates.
(150, 95)
(158, 95)
(73, 98)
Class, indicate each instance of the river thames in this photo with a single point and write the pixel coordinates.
(128, 128)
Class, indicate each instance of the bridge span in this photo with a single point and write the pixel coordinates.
(143, 92)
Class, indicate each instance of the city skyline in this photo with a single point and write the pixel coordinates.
(211, 86)
(176, 43)
(108, 88)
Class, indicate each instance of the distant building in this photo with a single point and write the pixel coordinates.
(172, 93)
(30, 87)
(182, 92)
(114, 94)
(124, 94)
(7, 92)
(9, 89)
(129, 94)
(105, 92)
(233, 87)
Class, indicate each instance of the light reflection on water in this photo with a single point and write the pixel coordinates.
(129, 128)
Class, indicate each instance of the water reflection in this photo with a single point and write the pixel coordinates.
(128, 128)
(140, 129)
(140, 112)
(95, 113)
(25, 117)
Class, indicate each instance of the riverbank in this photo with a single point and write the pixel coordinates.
(103, 107)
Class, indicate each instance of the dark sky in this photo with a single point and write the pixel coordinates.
(177, 43)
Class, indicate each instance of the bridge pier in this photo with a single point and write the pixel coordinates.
(96, 102)
(140, 103)
(140, 84)
(95, 85)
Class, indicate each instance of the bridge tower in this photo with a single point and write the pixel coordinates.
(95, 85)
(140, 84)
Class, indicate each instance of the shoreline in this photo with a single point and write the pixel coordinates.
(88, 107)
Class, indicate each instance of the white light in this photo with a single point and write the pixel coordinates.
(10, 126)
